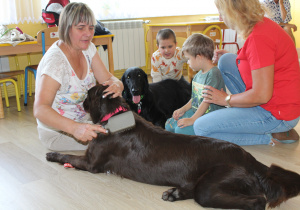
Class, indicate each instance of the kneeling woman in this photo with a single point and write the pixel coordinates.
(264, 80)
(70, 67)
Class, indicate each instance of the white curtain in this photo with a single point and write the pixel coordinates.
(19, 11)
(125, 9)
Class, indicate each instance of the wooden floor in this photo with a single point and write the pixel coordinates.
(28, 181)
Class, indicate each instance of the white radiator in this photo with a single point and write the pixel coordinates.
(128, 44)
(4, 64)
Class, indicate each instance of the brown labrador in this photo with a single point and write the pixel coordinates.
(215, 173)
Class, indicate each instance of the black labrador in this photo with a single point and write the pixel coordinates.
(155, 102)
(215, 173)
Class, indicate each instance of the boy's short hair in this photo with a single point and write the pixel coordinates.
(165, 33)
(74, 13)
(199, 44)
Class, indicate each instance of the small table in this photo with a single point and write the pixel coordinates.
(33, 47)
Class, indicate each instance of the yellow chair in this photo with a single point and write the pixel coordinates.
(8, 78)
(148, 64)
(215, 33)
(16, 77)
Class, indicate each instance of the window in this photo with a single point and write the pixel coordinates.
(19, 11)
(15, 11)
(125, 9)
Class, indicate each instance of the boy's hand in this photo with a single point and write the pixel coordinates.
(185, 122)
(177, 113)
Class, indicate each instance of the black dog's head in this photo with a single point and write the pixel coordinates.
(98, 107)
(135, 83)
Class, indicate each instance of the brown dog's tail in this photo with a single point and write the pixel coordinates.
(279, 185)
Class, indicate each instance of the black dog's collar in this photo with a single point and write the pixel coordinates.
(139, 107)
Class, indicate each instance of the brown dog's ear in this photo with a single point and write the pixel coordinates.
(99, 106)
(93, 101)
(99, 90)
(91, 93)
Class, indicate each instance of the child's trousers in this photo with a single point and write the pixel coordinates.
(171, 125)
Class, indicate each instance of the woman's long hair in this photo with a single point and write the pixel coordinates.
(241, 15)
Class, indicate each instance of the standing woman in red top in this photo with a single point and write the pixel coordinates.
(263, 79)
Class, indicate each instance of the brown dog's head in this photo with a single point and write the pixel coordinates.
(98, 107)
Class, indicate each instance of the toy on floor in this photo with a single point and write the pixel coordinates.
(68, 165)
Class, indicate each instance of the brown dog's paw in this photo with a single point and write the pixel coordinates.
(52, 156)
(170, 195)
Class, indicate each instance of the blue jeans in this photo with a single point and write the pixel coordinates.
(171, 124)
(242, 126)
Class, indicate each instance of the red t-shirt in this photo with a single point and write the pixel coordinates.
(269, 44)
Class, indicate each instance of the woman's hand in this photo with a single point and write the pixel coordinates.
(214, 96)
(86, 132)
(217, 54)
(292, 26)
(104, 77)
(115, 88)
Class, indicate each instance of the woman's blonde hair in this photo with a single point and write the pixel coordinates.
(241, 15)
(74, 13)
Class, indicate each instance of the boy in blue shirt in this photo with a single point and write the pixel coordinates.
(199, 50)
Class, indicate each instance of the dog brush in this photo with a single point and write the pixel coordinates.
(120, 123)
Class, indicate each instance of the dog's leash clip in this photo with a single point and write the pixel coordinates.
(139, 107)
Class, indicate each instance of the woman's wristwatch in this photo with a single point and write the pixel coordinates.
(227, 99)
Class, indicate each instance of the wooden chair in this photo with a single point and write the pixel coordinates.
(230, 42)
(45, 38)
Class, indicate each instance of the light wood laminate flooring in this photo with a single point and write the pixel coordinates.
(28, 181)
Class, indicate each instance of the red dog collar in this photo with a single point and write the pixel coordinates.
(106, 117)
